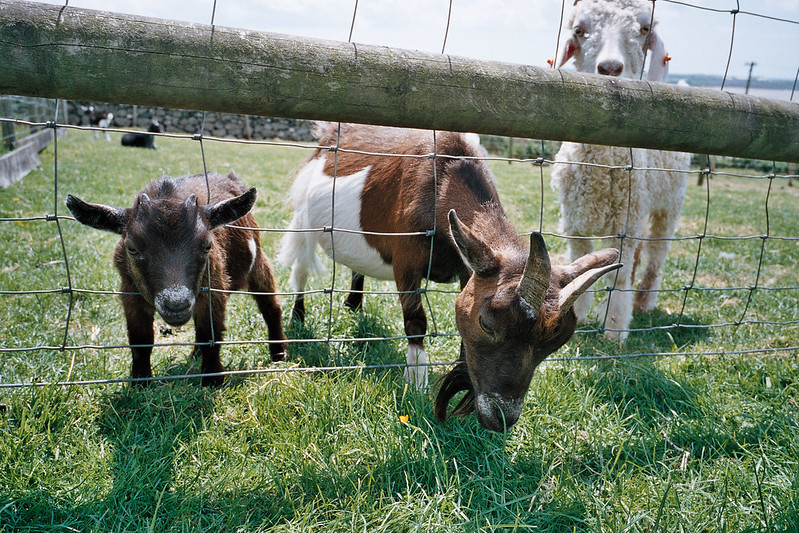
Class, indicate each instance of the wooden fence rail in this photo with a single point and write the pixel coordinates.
(66, 52)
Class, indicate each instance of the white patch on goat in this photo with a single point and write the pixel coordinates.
(312, 194)
(253, 252)
(416, 371)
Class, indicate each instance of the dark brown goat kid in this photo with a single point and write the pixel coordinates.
(514, 308)
(170, 238)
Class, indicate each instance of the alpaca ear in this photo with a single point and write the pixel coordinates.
(566, 51)
(658, 59)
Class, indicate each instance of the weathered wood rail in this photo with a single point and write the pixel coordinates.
(66, 52)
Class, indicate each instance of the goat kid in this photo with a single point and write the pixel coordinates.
(514, 308)
(170, 240)
(143, 140)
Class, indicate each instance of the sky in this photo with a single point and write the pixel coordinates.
(514, 31)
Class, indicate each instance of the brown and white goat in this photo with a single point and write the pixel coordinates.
(514, 308)
(171, 239)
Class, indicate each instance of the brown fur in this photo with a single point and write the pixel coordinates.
(163, 245)
(504, 337)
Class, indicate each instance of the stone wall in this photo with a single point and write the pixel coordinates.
(183, 121)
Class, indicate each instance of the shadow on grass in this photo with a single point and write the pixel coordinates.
(146, 429)
(676, 416)
(352, 351)
(653, 332)
(687, 332)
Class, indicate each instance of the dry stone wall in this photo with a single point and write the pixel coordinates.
(184, 121)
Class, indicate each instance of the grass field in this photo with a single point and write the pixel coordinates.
(704, 439)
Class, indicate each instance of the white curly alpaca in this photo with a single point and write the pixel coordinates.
(612, 38)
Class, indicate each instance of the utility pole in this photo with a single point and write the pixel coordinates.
(749, 78)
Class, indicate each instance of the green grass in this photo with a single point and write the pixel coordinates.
(701, 442)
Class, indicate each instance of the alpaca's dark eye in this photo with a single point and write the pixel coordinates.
(132, 251)
(579, 31)
(644, 29)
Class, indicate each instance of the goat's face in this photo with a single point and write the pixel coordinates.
(497, 330)
(166, 248)
(165, 245)
(514, 311)
(612, 38)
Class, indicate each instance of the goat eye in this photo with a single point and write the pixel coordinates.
(207, 248)
(579, 32)
(644, 29)
(132, 250)
(486, 329)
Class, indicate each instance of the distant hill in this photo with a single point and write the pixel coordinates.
(704, 80)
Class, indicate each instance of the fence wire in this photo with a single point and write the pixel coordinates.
(704, 175)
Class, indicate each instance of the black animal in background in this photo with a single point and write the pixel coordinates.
(143, 140)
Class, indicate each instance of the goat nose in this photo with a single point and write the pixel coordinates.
(176, 306)
(497, 413)
(610, 67)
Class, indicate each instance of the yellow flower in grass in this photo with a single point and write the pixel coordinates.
(404, 419)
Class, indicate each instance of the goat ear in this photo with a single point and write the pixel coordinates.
(230, 210)
(98, 216)
(583, 273)
(658, 59)
(475, 253)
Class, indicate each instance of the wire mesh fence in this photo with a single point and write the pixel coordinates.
(702, 281)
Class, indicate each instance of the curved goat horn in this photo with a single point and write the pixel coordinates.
(587, 270)
(191, 201)
(535, 279)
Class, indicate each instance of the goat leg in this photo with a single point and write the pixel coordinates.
(262, 280)
(139, 318)
(415, 326)
(206, 329)
(354, 300)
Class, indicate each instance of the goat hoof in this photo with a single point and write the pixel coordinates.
(138, 374)
(298, 317)
(352, 305)
(213, 381)
(278, 355)
(417, 377)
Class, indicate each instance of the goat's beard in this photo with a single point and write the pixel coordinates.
(455, 381)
